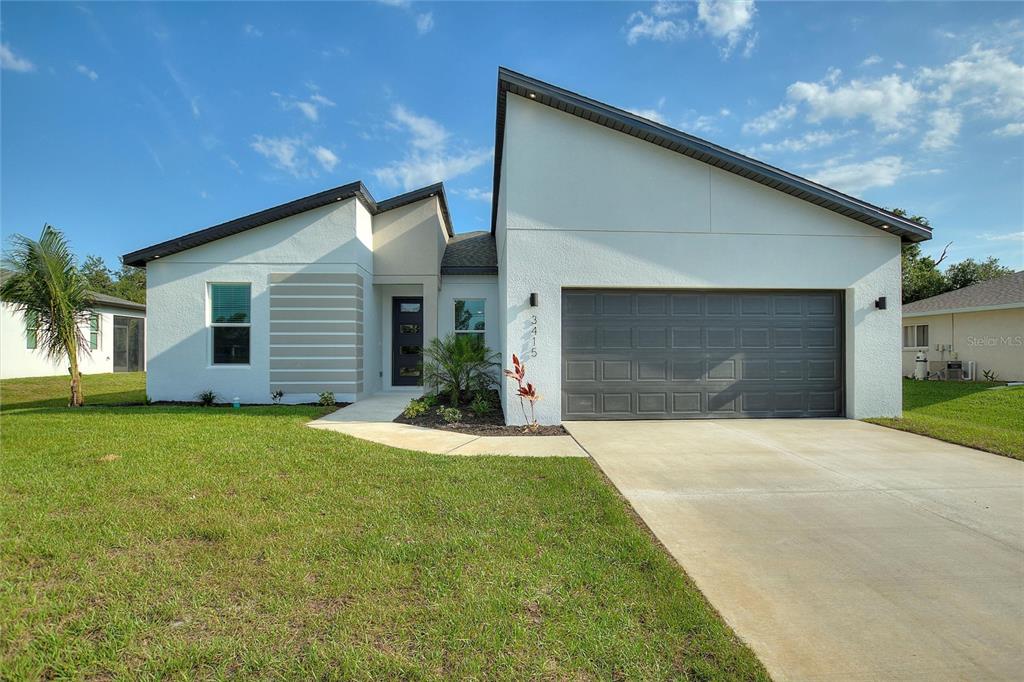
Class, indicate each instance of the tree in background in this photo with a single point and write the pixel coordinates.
(43, 283)
(128, 282)
(922, 277)
(968, 272)
(97, 274)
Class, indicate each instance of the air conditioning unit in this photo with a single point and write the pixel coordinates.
(954, 370)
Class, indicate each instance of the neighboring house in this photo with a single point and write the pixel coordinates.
(115, 335)
(982, 323)
(641, 273)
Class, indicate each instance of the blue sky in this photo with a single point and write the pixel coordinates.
(128, 124)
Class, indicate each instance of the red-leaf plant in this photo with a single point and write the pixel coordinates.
(525, 391)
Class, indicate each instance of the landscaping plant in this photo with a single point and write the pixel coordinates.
(327, 399)
(417, 407)
(451, 415)
(276, 396)
(44, 284)
(457, 364)
(206, 398)
(480, 406)
(525, 391)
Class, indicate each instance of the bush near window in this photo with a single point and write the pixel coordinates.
(458, 365)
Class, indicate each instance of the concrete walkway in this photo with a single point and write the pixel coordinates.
(372, 419)
(837, 550)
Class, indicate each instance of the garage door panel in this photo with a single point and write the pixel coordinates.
(690, 354)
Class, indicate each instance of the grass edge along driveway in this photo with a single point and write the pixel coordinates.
(161, 541)
(965, 413)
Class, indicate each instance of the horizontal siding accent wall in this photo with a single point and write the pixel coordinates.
(316, 332)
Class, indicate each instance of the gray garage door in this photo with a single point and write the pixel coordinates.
(650, 354)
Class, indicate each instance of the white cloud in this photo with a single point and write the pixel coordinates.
(1008, 237)
(477, 194)
(852, 178)
(728, 20)
(252, 31)
(424, 23)
(292, 155)
(872, 60)
(888, 101)
(427, 134)
(812, 140)
(1010, 130)
(12, 62)
(652, 114)
(658, 25)
(87, 72)
(945, 127)
(986, 78)
(429, 159)
(326, 157)
(283, 152)
(310, 108)
(770, 120)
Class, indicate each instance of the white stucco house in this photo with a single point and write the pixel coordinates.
(115, 332)
(981, 326)
(641, 272)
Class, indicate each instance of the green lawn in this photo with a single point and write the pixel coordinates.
(965, 413)
(175, 541)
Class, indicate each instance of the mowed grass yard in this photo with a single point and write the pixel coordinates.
(965, 413)
(159, 541)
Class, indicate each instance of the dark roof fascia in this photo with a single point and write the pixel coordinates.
(469, 269)
(419, 195)
(115, 302)
(354, 189)
(694, 147)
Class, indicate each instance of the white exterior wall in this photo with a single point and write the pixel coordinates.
(16, 360)
(585, 206)
(329, 239)
(992, 339)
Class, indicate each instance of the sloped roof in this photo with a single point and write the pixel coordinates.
(470, 253)
(1004, 292)
(97, 296)
(353, 189)
(675, 140)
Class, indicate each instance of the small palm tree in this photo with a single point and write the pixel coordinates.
(459, 363)
(43, 281)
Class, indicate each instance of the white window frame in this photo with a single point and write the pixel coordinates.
(455, 322)
(211, 325)
(915, 336)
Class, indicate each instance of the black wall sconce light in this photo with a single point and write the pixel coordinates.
(534, 300)
(880, 303)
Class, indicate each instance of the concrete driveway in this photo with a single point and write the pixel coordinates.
(837, 549)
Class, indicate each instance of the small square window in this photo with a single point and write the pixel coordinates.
(409, 329)
(469, 318)
(409, 307)
(410, 350)
(409, 371)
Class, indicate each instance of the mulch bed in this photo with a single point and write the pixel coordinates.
(491, 424)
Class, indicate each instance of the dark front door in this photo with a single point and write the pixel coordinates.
(407, 341)
(129, 344)
(650, 354)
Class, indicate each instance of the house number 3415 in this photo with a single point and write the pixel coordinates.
(533, 336)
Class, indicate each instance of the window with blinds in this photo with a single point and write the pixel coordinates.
(230, 323)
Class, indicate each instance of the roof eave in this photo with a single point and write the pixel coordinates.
(964, 309)
(702, 150)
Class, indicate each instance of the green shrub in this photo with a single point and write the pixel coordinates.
(206, 398)
(457, 364)
(481, 405)
(430, 400)
(416, 408)
(327, 399)
(451, 415)
(276, 396)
